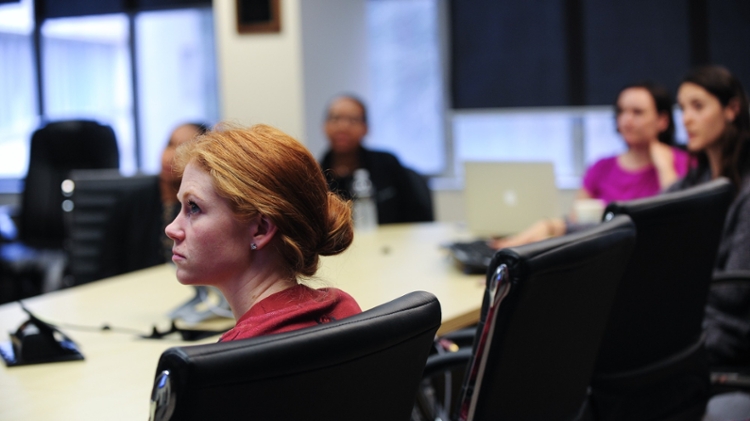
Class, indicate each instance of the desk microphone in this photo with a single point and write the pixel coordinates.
(36, 342)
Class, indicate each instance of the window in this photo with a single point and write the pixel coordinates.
(18, 116)
(406, 102)
(86, 67)
(176, 76)
(409, 115)
(87, 73)
(571, 138)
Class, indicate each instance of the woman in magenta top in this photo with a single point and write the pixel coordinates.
(255, 216)
(643, 113)
(608, 181)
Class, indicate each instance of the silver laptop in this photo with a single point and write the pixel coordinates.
(503, 198)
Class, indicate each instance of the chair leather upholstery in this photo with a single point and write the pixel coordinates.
(56, 149)
(365, 367)
(98, 200)
(549, 325)
(645, 368)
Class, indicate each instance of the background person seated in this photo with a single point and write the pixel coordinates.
(643, 114)
(134, 236)
(398, 196)
(715, 113)
(255, 216)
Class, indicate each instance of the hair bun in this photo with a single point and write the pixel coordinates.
(340, 227)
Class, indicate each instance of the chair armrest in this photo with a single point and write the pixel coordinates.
(463, 337)
(729, 379)
(738, 277)
(448, 361)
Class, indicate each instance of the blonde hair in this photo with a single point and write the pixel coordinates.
(262, 170)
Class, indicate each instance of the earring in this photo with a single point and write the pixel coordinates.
(253, 246)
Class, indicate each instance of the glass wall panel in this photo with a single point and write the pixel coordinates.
(176, 76)
(86, 68)
(18, 108)
(406, 103)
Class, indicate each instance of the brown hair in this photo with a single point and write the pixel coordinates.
(262, 170)
(662, 102)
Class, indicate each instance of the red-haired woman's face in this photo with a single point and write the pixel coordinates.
(638, 121)
(211, 246)
(345, 126)
(703, 115)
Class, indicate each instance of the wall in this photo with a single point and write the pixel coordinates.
(260, 75)
(334, 51)
(286, 79)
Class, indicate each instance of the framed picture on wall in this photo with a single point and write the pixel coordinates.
(258, 16)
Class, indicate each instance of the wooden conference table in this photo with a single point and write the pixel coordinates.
(115, 379)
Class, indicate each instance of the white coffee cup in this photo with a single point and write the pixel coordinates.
(588, 211)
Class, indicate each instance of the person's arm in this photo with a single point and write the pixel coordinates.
(663, 158)
(542, 230)
(583, 194)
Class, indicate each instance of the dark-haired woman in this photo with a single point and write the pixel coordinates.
(256, 215)
(643, 113)
(715, 113)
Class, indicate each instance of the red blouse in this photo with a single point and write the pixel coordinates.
(291, 309)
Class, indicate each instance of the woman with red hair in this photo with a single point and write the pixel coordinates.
(256, 215)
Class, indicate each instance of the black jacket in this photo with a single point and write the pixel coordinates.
(401, 195)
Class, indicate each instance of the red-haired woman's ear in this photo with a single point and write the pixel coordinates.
(262, 230)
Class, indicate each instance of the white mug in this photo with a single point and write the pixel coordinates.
(588, 211)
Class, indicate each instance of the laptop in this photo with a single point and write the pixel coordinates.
(501, 199)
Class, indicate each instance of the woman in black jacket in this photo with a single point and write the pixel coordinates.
(716, 118)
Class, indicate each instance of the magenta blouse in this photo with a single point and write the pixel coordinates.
(607, 181)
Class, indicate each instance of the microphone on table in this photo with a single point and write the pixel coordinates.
(36, 342)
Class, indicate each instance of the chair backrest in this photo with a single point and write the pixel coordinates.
(660, 303)
(94, 197)
(56, 149)
(365, 367)
(544, 314)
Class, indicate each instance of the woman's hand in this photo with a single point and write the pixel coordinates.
(546, 228)
(663, 158)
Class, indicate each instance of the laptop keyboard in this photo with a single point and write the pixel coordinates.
(472, 256)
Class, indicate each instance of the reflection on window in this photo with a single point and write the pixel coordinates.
(176, 76)
(87, 75)
(406, 101)
(17, 88)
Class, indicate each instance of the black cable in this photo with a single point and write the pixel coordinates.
(103, 328)
(185, 334)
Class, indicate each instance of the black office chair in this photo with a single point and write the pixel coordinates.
(56, 149)
(365, 367)
(36, 262)
(544, 313)
(95, 197)
(652, 365)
